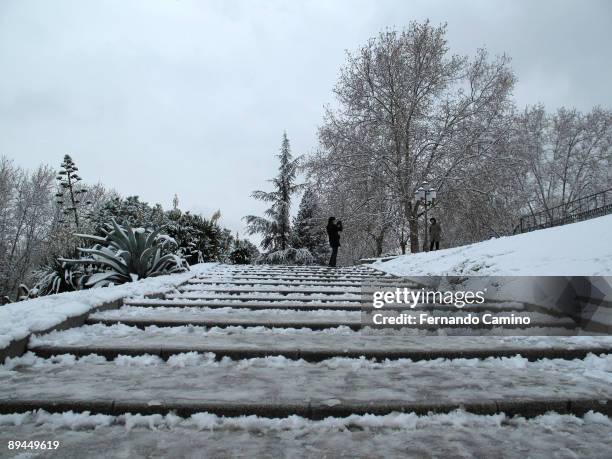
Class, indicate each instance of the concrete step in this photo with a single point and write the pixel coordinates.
(242, 343)
(332, 272)
(285, 275)
(300, 283)
(207, 436)
(271, 289)
(246, 296)
(191, 383)
(340, 305)
(223, 323)
(249, 304)
(311, 285)
(143, 317)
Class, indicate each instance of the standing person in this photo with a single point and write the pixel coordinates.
(435, 233)
(333, 231)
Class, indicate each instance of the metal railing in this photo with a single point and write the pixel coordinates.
(592, 206)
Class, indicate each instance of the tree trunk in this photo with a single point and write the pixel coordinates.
(379, 243)
(413, 224)
(414, 235)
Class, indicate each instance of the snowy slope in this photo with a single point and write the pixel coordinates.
(579, 249)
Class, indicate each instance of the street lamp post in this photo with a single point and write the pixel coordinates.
(427, 195)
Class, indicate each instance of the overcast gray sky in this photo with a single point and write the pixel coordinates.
(157, 97)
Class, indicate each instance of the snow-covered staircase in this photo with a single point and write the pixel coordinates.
(281, 341)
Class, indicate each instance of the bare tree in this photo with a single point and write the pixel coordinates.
(566, 155)
(409, 112)
(26, 214)
(32, 226)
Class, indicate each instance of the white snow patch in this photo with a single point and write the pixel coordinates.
(560, 251)
(592, 366)
(18, 320)
(208, 421)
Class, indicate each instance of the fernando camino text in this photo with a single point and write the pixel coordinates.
(468, 319)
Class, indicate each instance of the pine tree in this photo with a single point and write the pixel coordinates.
(70, 193)
(276, 225)
(309, 229)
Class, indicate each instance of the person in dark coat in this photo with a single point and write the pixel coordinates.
(333, 231)
(435, 234)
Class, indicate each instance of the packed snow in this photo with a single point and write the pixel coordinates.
(270, 316)
(237, 303)
(278, 381)
(339, 338)
(456, 434)
(272, 296)
(578, 249)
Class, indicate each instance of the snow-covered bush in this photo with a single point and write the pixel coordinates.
(199, 239)
(125, 254)
(290, 256)
(244, 252)
(129, 211)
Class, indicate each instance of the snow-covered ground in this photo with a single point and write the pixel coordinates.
(194, 315)
(339, 338)
(18, 320)
(579, 249)
(277, 381)
(456, 434)
(268, 369)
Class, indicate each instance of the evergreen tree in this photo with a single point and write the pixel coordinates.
(275, 227)
(309, 229)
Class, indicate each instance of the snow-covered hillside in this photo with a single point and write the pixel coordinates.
(579, 249)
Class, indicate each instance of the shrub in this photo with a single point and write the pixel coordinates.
(58, 277)
(243, 252)
(290, 256)
(125, 254)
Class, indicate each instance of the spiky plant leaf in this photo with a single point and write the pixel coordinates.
(127, 254)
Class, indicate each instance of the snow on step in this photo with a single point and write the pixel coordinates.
(304, 281)
(348, 297)
(249, 304)
(190, 383)
(281, 279)
(364, 436)
(239, 342)
(274, 289)
(168, 316)
(305, 275)
(143, 316)
(300, 269)
(228, 281)
(284, 304)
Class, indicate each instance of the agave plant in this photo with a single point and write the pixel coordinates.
(125, 254)
(57, 277)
